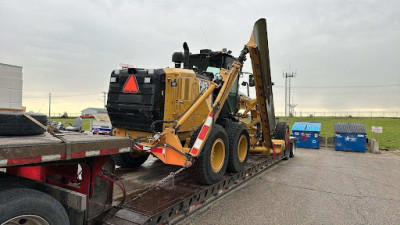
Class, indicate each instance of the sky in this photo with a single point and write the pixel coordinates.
(346, 53)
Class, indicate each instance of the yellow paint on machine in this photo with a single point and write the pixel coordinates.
(182, 87)
(279, 148)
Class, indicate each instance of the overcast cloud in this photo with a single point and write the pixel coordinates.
(69, 48)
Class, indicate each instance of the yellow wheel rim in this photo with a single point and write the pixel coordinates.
(217, 155)
(242, 148)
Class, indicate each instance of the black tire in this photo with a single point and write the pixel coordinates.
(126, 160)
(16, 124)
(282, 133)
(235, 131)
(16, 202)
(292, 148)
(202, 169)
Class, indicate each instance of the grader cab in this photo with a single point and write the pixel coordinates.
(190, 116)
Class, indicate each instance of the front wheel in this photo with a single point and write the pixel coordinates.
(27, 206)
(212, 162)
(239, 145)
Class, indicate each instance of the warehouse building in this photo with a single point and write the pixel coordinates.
(10, 86)
(93, 111)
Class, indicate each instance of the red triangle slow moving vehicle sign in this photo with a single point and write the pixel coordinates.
(131, 85)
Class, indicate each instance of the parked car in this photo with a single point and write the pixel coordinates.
(86, 116)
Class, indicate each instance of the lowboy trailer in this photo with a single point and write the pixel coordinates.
(37, 177)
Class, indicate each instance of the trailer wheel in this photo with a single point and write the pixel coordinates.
(127, 160)
(282, 133)
(28, 206)
(16, 124)
(212, 162)
(239, 144)
(292, 149)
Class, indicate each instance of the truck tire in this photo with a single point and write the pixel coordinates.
(126, 160)
(239, 145)
(292, 148)
(16, 124)
(28, 206)
(282, 133)
(212, 162)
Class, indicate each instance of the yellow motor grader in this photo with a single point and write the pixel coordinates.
(190, 117)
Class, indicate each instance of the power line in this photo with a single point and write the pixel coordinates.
(347, 86)
(65, 96)
(205, 37)
(346, 93)
(78, 95)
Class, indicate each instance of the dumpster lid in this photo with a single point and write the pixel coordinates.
(350, 128)
(307, 126)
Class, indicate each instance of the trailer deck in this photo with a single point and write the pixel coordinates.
(178, 198)
(26, 150)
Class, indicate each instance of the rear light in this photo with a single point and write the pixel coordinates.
(147, 80)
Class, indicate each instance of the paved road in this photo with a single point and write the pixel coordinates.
(316, 187)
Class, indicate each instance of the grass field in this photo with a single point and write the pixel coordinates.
(390, 138)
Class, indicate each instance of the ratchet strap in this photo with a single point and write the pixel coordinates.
(50, 131)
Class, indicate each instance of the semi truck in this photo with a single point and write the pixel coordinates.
(182, 137)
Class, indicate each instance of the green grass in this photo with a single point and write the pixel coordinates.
(390, 138)
(85, 122)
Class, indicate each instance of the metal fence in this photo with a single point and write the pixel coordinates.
(388, 114)
(70, 115)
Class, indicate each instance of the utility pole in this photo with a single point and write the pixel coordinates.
(105, 96)
(49, 105)
(291, 108)
(288, 76)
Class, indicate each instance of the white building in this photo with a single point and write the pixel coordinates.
(93, 111)
(10, 86)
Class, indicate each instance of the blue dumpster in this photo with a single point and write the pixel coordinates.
(307, 134)
(350, 137)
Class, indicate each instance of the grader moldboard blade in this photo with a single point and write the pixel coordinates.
(259, 53)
